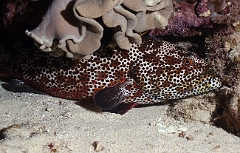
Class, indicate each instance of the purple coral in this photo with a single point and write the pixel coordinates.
(184, 21)
(21, 14)
(224, 12)
(202, 9)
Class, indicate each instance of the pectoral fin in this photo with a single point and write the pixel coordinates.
(111, 99)
(123, 108)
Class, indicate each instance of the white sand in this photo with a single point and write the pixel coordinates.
(39, 123)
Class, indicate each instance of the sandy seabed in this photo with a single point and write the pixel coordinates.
(38, 123)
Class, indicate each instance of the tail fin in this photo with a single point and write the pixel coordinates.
(16, 85)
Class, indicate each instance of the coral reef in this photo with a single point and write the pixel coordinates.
(20, 15)
(224, 53)
(198, 108)
(201, 9)
(74, 26)
(201, 18)
(224, 11)
(231, 113)
(184, 22)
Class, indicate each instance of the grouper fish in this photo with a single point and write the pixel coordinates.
(114, 79)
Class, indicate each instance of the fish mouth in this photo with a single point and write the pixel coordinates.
(208, 85)
(216, 82)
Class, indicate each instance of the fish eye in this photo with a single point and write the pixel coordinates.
(188, 61)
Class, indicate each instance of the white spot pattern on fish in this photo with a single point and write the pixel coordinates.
(115, 79)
